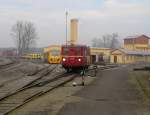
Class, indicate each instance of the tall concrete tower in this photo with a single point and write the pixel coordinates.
(74, 31)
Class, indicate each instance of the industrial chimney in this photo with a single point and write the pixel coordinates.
(74, 31)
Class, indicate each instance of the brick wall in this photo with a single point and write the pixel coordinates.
(139, 40)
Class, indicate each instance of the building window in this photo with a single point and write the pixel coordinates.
(132, 57)
(127, 57)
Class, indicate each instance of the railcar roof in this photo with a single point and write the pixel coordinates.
(74, 46)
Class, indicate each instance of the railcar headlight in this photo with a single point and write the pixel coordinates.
(64, 59)
(79, 59)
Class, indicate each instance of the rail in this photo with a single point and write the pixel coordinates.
(27, 94)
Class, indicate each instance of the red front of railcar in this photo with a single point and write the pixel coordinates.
(75, 57)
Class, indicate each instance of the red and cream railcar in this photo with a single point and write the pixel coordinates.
(75, 57)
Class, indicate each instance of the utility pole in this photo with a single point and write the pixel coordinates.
(66, 26)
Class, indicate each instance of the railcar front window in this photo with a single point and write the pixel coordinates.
(78, 51)
(65, 51)
(72, 51)
(55, 52)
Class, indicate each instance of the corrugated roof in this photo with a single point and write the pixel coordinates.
(130, 52)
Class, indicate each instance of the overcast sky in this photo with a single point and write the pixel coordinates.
(96, 18)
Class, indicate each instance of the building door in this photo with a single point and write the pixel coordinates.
(115, 59)
(93, 58)
(100, 58)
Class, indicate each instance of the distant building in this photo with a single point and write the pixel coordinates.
(34, 53)
(124, 56)
(138, 43)
(8, 52)
(135, 49)
(100, 54)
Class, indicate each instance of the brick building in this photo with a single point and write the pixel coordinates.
(138, 43)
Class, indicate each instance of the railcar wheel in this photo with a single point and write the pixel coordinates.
(67, 70)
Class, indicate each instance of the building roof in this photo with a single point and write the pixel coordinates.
(131, 52)
(137, 36)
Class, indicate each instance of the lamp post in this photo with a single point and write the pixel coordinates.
(66, 26)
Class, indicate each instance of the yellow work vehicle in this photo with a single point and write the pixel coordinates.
(54, 56)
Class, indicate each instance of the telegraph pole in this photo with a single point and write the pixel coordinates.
(66, 26)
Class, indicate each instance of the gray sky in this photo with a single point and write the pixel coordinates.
(96, 18)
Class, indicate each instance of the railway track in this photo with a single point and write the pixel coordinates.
(34, 73)
(7, 90)
(108, 67)
(94, 67)
(11, 87)
(13, 65)
(32, 91)
(44, 75)
(7, 65)
(92, 71)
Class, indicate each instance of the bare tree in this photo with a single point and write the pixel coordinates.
(17, 33)
(24, 34)
(30, 35)
(114, 41)
(111, 41)
(96, 42)
(107, 41)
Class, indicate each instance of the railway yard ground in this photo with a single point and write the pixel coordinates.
(36, 88)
